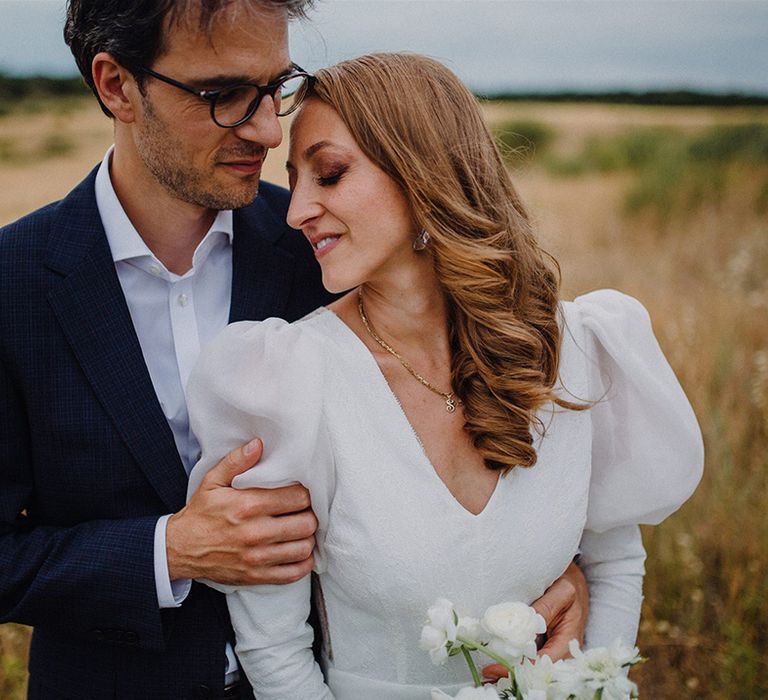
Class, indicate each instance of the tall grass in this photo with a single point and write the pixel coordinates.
(674, 172)
(675, 215)
(14, 646)
(692, 243)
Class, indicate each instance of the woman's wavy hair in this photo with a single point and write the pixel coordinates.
(415, 119)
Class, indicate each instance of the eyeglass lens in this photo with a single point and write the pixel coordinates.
(234, 104)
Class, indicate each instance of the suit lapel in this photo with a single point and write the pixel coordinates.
(262, 272)
(91, 310)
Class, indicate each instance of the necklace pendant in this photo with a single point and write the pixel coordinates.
(450, 404)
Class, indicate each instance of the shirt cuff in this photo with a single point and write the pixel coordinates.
(170, 594)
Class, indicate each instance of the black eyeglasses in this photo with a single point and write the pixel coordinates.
(233, 105)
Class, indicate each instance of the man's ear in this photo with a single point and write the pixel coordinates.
(116, 86)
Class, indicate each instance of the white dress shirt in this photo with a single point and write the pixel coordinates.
(173, 315)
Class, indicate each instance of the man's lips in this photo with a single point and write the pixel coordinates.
(245, 165)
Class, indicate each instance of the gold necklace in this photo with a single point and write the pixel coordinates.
(450, 399)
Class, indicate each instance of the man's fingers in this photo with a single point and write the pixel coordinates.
(287, 528)
(564, 607)
(566, 628)
(281, 553)
(236, 462)
(247, 505)
(558, 598)
(280, 501)
(544, 608)
(556, 646)
(494, 672)
(290, 573)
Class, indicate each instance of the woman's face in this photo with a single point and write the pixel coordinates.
(354, 215)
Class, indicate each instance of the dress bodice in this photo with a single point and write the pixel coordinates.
(397, 537)
(391, 536)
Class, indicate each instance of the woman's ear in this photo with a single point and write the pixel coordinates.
(115, 85)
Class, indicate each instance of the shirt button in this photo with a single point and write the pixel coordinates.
(182, 300)
(154, 268)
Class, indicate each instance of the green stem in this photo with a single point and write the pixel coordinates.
(472, 668)
(472, 644)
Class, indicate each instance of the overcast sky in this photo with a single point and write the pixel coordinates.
(494, 44)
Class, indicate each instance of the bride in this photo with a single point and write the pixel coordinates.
(462, 431)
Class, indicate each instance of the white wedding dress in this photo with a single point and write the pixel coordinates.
(392, 538)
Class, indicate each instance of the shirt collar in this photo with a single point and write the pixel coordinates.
(123, 238)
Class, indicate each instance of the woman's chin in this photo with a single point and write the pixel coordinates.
(336, 285)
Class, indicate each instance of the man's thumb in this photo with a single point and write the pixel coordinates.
(236, 462)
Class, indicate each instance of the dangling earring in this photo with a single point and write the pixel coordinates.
(421, 241)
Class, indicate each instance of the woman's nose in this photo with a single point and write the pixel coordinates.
(302, 208)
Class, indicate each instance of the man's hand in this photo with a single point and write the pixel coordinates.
(242, 536)
(564, 606)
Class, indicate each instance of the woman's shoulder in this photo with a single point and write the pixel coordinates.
(646, 445)
(595, 327)
(246, 338)
(250, 354)
(604, 310)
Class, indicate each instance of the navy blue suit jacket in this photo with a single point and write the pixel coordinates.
(88, 461)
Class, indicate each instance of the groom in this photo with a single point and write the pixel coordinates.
(107, 297)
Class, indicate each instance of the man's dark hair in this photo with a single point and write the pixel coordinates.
(133, 30)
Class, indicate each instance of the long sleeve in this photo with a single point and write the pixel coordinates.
(647, 455)
(613, 563)
(267, 380)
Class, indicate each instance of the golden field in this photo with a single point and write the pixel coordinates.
(667, 204)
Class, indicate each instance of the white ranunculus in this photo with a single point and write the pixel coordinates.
(598, 669)
(513, 628)
(440, 630)
(470, 628)
(484, 692)
(536, 680)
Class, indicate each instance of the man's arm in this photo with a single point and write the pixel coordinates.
(85, 578)
(242, 536)
(95, 579)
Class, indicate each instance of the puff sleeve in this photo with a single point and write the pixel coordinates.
(266, 380)
(647, 454)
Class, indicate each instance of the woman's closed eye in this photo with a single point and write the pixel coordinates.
(331, 176)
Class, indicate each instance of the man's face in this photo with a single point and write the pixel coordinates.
(175, 137)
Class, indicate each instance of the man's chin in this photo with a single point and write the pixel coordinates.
(228, 197)
(238, 191)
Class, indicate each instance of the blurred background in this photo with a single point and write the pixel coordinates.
(637, 133)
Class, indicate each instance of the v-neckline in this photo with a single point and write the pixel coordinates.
(367, 356)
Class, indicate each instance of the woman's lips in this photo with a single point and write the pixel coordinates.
(322, 245)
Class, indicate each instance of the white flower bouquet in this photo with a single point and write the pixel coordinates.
(506, 633)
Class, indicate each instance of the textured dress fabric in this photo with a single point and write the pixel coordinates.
(391, 536)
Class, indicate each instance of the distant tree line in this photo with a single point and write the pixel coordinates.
(14, 88)
(17, 87)
(667, 98)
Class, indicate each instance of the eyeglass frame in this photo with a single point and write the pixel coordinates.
(212, 96)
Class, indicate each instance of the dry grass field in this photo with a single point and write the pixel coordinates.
(669, 205)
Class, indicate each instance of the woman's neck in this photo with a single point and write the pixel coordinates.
(409, 314)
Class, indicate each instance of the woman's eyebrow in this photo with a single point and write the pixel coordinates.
(309, 152)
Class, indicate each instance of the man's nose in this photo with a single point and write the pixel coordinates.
(263, 127)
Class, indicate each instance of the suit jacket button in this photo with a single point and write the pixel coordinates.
(98, 635)
(202, 692)
(131, 638)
